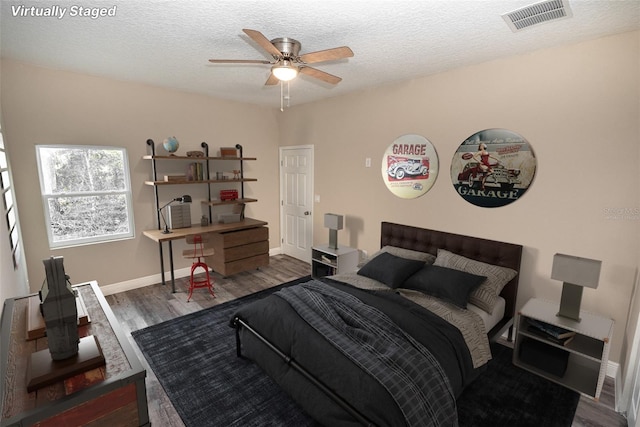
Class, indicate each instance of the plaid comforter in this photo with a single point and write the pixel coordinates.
(404, 367)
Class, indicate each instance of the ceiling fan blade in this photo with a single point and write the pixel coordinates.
(272, 80)
(239, 61)
(327, 55)
(321, 75)
(264, 42)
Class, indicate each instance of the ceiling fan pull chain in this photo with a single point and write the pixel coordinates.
(288, 95)
(281, 95)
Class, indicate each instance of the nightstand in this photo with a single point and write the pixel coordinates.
(326, 261)
(579, 364)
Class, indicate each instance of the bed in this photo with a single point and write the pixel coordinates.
(394, 343)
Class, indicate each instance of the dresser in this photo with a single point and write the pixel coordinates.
(112, 395)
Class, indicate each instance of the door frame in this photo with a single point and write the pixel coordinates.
(627, 389)
(311, 193)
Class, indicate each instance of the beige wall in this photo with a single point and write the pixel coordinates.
(576, 105)
(43, 106)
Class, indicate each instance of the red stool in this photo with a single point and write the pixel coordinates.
(199, 252)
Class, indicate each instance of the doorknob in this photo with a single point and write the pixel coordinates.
(307, 213)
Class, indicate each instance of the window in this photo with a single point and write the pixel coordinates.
(8, 205)
(86, 194)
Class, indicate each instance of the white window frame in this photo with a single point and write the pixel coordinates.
(47, 196)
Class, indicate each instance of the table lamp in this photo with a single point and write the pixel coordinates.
(333, 222)
(182, 199)
(576, 273)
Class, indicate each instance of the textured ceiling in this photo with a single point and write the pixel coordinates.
(168, 42)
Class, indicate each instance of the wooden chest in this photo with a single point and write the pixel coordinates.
(240, 250)
(113, 395)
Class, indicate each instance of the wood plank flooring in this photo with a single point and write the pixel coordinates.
(139, 308)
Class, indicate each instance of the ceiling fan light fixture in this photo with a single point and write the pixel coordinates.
(284, 70)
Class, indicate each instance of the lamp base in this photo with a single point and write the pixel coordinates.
(570, 301)
(333, 238)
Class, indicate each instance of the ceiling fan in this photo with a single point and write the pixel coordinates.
(287, 61)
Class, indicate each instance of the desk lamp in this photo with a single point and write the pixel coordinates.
(575, 272)
(334, 223)
(182, 199)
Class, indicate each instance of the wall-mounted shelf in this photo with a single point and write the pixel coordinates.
(228, 202)
(155, 182)
(240, 246)
(154, 157)
(200, 181)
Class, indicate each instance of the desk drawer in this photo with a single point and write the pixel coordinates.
(237, 266)
(221, 241)
(245, 251)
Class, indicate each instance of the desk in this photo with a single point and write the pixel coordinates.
(181, 233)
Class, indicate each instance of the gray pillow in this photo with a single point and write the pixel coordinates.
(404, 253)
(486, 295)
(390, 269)
(451, 285)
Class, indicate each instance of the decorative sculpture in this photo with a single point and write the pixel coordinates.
(58, 305)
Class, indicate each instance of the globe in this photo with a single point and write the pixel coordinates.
(171, 144)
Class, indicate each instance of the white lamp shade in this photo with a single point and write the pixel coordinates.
(333, 221)
(576, 270)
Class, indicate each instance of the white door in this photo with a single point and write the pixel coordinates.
(296, 201)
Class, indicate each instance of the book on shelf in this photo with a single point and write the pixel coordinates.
(326, 259)
(174, 178)
(551, 330)
(195, 172)
(550, 338)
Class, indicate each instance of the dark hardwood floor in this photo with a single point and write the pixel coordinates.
(139, 308)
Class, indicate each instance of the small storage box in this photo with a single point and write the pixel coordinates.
(227, 218)
(542, 356)
(179, 216)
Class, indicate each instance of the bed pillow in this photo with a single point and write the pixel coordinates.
(404, 253)
(390, 269)
(486, 295)
(451, 285)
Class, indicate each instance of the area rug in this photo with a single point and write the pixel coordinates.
(194, 359)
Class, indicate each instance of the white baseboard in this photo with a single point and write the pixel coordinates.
(141, 282)
(612, 369)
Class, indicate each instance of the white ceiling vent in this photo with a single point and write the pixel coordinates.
(537, 13)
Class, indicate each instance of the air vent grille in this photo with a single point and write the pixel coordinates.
(537, 14)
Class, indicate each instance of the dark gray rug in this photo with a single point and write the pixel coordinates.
(194, 359)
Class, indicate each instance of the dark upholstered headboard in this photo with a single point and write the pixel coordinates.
(489, 251)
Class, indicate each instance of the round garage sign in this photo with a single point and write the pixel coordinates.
(493, 168)
(410, 166)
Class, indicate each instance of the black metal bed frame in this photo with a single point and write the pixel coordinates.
(237, 322)
(425, 240)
